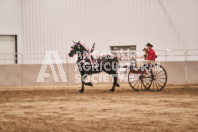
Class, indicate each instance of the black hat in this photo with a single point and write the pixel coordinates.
(148, 44)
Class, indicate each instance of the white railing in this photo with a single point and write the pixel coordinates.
(27, 58)
(37, 58)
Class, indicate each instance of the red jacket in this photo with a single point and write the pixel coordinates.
(151, 55)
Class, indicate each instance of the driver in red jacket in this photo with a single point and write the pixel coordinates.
(151, 52)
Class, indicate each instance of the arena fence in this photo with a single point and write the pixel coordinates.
(37, 58)
(23, 69)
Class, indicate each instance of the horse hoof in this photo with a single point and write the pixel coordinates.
(89, 84)
(80, 91)
(111, 90)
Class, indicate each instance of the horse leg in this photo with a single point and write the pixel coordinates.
(116, 76)
(82, 88)
(83, 82)
(87, 83)
(115, 79)
(114, 83)
(117, 84)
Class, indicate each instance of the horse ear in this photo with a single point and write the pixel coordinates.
(74, 42)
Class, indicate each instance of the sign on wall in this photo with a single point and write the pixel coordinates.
(124, 52)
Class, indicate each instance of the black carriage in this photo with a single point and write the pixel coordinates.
(150, 76)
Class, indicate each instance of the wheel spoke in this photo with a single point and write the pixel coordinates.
(161, 81)
(147, 80)
(134, 81)
(152, 86)
(160, 75)
(159, 84)
(138, 84)
(147, 83)
(157, 73)
(156, 85)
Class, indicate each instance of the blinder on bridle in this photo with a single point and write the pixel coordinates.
(77, 47)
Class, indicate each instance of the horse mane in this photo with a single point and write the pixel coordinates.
(84, 46)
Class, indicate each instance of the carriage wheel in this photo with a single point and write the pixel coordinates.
(147, 79)
(135, 81)
(159, 78)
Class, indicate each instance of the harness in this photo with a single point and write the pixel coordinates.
(88, 54)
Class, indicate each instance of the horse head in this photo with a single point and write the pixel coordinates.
(77, 48)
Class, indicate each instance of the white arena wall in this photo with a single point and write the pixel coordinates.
(43, 25)
(179, 73)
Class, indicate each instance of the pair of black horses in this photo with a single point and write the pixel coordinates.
(87, 64)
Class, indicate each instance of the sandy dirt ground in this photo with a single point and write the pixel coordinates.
(63, 109)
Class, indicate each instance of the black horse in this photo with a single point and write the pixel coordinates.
(88, 65)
